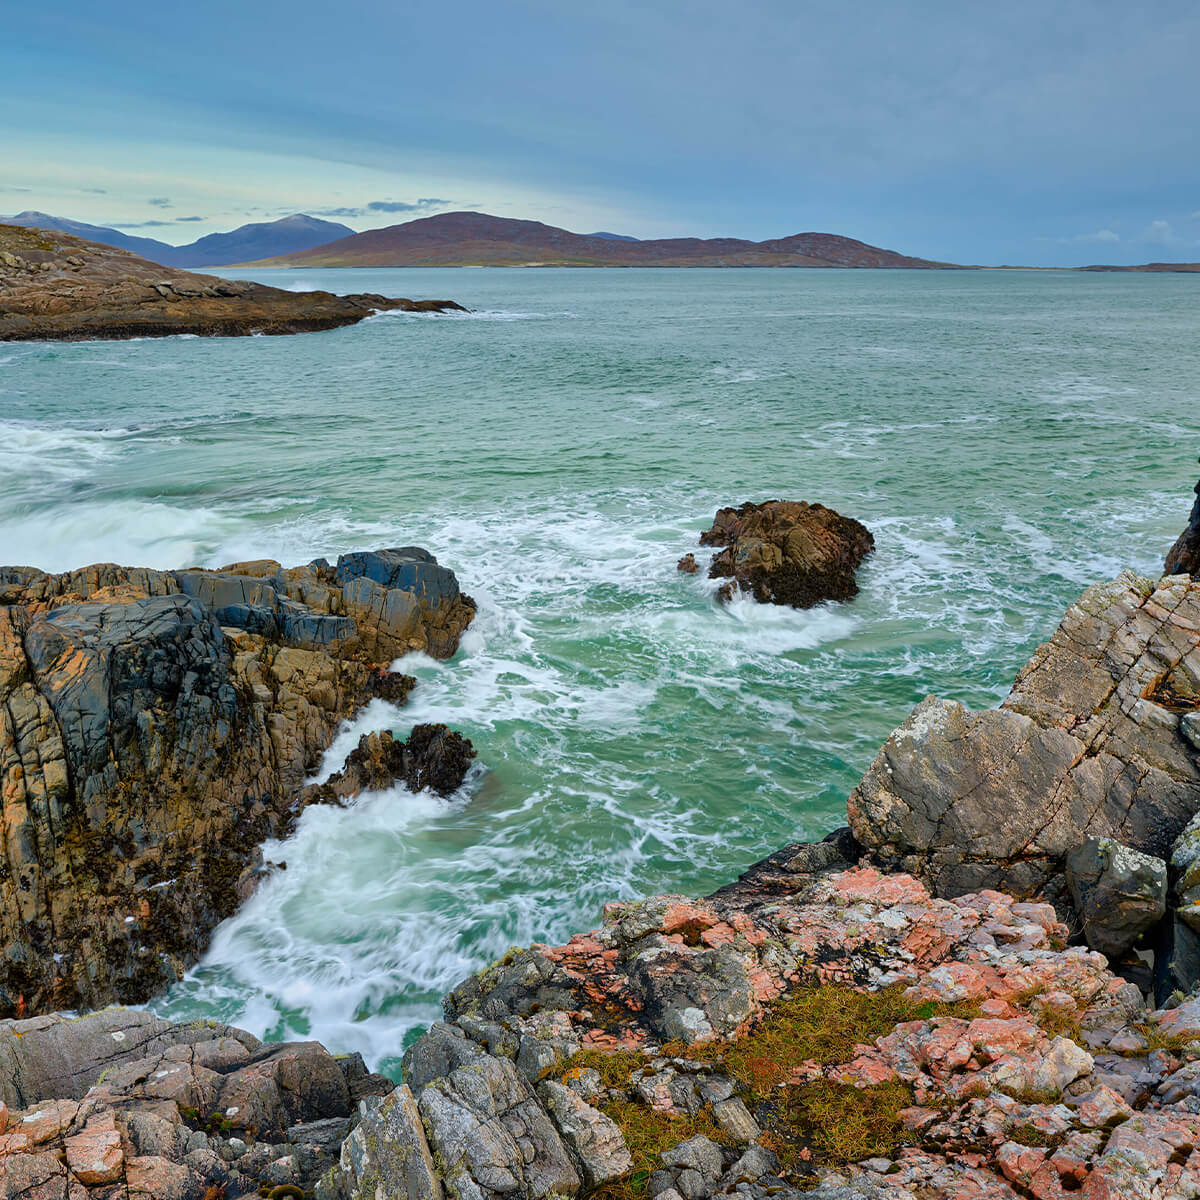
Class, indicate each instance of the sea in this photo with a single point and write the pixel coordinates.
(1009, 437)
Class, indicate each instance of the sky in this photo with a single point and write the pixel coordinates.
(1035, 133)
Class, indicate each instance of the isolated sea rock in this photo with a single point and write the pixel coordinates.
(156, 726)
(59, 287)
(1184, 557)
(121, 1104)
(1118, 893)
(787, 552)
(433, 757)
(1088, 744)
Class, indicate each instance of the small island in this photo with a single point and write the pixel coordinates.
(57, 287)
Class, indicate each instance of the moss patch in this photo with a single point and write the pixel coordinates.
(804, 1124)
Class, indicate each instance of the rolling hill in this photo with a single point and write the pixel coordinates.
(476, 239)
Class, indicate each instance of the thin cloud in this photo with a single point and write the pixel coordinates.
(140, 224)
(421, 205)
(189, 218)
(159, 201)
(1101, 236)
(1159, 233)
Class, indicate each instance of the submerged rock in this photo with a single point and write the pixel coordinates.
(787, 552)
(54, 286)
(156, 726)
(1088, 744)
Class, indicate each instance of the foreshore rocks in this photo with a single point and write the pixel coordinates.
(156, 727)
(54, 286)
(785, 552)
(119, 1105)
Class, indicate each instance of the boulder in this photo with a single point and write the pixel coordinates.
(432, 757)
(1087, 744)
(787, 552)
(119, 1103)
(1118, 893)
(385, 1155)
(157, 726)
(1184, 557)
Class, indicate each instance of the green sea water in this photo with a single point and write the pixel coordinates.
(1008, 437)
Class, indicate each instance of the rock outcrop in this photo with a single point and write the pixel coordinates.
(156, 726)
(816, 1024)
(121, 1106)
(1091, 743)
(54, 286)
(1184, 557)
(786, 552)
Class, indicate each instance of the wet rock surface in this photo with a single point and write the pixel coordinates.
(155, 727)
(433, 757)
(59, 287)
(786, 552)
(1091, 742)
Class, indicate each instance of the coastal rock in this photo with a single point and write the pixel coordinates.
(785, 552)
(156, 726)
(433, 756)
(54, 286)
(1087, 744)
(1118, 893)
(1184, 557)
(1022, 1061)
(118, 1103)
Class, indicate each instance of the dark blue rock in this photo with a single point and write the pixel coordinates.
(407, 567)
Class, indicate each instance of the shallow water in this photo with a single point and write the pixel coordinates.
(1008, 437)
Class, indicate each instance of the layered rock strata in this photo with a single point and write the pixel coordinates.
(1092, 742)
(785, 552)
(59, 287)
(155, 727)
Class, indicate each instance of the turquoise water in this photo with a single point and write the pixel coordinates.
(1008, 437)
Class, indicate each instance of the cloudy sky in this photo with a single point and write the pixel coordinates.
(1027, 132)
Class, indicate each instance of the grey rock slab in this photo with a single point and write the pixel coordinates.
(595, 1139)
(1118, 892)
(1080, 748)
(488, 1129)
(698, 1153)
(385, 1155)
(60, 1057)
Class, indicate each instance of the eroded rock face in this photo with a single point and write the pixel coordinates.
(56, 286)
(1184, 556)
(786, 552)
(1118, 893)
(155, 727)
(1089, 743)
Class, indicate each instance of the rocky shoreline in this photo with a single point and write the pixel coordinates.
(986, 987)
(57, 287)
(157, 726)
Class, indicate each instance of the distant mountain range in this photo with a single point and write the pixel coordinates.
(464, 239)
(260, 240)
